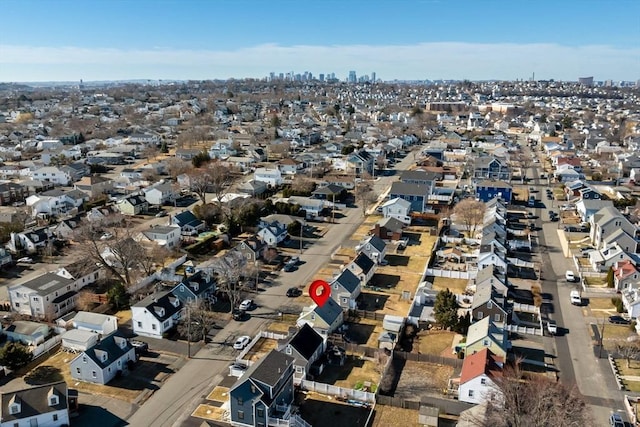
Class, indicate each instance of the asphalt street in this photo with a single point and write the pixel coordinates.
(173, 403)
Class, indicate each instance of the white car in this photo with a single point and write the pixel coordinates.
(552, 327)
(106, 236)
(26, 260)
(569, 276)
(246, 305)
(242, 342)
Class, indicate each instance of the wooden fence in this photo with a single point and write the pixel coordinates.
(431, 358)
(363, 314)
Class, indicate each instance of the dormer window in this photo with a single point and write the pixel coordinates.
(54, 400)
(14, 408)
(288, 349)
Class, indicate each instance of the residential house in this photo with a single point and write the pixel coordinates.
(66, 228)
(388, 229)
(253, 188)
(345, 289)
(271, 176)
(605, 222)
(30, 241)
(187, 153)
(144, 138)
(251, 248)
(620, 237)
(164, 236)
(586, 208)
(489, 167)
(47, 296)
(602, 259)
(285, 220)
(323, 319)
(43, 405)
(156, 314)
(290, 166)
(53, 174)
(488, 301)
(373, 247)
(488, 189)
(418, 177)
(26, 332)
(133, 205)
(359, 162)
(306, 346)
(328, 192)
(397, 208)
(363, 267)
(84, 271)
(486, 334)
(416, 194)
(479, 377)
(264, 394)
(12, 193)
(197, 287)
(102, 362)
(312, 207)
(625, 275)
(76, 171)
(94, 185)
(273, 234)
(222, 149)
(189, 224)
(160, 194)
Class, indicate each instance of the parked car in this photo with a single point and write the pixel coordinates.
(246, 305)
(383, 262)
(240, 315)
(294, 260)
(618, 320)
(289, 268)
(106, 236)
(569, 276)
(25, 260)
(161, 214)
(575, 297)
(242, 342)
(139, 346)
(293, 292)
(552, 327)
(615, 420)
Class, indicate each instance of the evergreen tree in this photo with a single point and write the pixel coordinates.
(118, 296)
(15, 356)
(163, 147)
(445, 309)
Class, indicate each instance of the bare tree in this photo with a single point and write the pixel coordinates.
(229, 269)
(365, 196)
(470, 213)
(628, 350)
(521, 400)
(213, 178)
(110, 244)
(177, 167)
(196, 321)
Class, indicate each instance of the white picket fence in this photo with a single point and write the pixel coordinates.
(39, 349)
(254, 341)
(452, 274)
(332, 390)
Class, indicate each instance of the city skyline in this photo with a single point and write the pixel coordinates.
(65, 40)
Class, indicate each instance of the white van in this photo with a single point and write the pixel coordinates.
(575, 298)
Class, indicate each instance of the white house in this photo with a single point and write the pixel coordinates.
(397, 208)
(156, 314)
(44, 405)
(48, 296)
(102, 324)
(160, 194)
(313, 207)
(272, 176)
(478, 377)
(166, 236)
(52, 174)
(102, 362)
(273, 233)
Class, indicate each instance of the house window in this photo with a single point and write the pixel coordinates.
(93, 374)
(288, 350)
(470, 393)
(139, 324)
(313, 316)
(154, 327)
(53, 400)
(240, 401)
(55, 417)
(260, 412)
(496, 317)
(483, 381)
(78, 371)
(489, 304)
(299, 369)
(479, 315)
(84, 359)
(14, 409)
(485, 343)
(241, 415)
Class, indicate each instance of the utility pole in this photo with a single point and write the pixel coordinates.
(188, 332)
(302, 224)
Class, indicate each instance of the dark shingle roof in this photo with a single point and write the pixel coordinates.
(109, 345)
(348, 280)
(306, 341)
(269, 369)
(329, 312)
(33, 401)
(364, 262)
(161, 300)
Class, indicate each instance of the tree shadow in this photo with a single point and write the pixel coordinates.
(43, 375)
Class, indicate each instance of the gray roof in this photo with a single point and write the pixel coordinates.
(34, 401)
(109, 345)
(376, 242)
(391, 224)
(269, 369)
(404, 188)
(47, 284)
(418, 175)
(329, 312)
(347, 280)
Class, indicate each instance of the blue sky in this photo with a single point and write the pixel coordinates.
(50, 40)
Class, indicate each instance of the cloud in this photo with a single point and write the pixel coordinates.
(415, 61)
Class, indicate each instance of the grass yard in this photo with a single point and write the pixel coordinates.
(61, 360)
(219, 394)
(596, 282)
(436, 342)
(262, 347)
(278, 326)
(633, 370)
(389, 416)
(354, 371)
(614, 334)
(457, 286)
(601, 304)
(208, 412)
(422, 378)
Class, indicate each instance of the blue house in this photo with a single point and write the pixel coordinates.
(416, 194)
(264, 394)
(488, 189)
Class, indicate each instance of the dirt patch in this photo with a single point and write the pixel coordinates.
(324, 411)
(219, 394)
(422, 379)
(261, 348)
(389, 416)
(365, 332)
(457, 286)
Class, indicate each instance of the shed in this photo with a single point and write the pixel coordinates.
(428, 416)
(393, 323)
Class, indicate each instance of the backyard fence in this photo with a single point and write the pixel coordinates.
(38, 350)
(364, 314)
(332, 390)
(451, 274)
(431, 358)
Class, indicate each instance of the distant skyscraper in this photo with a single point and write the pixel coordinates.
(321, 77)
(373, 77)
(272, 76)
(586, 81)
(352, 77)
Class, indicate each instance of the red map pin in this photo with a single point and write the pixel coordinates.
(319, 291)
